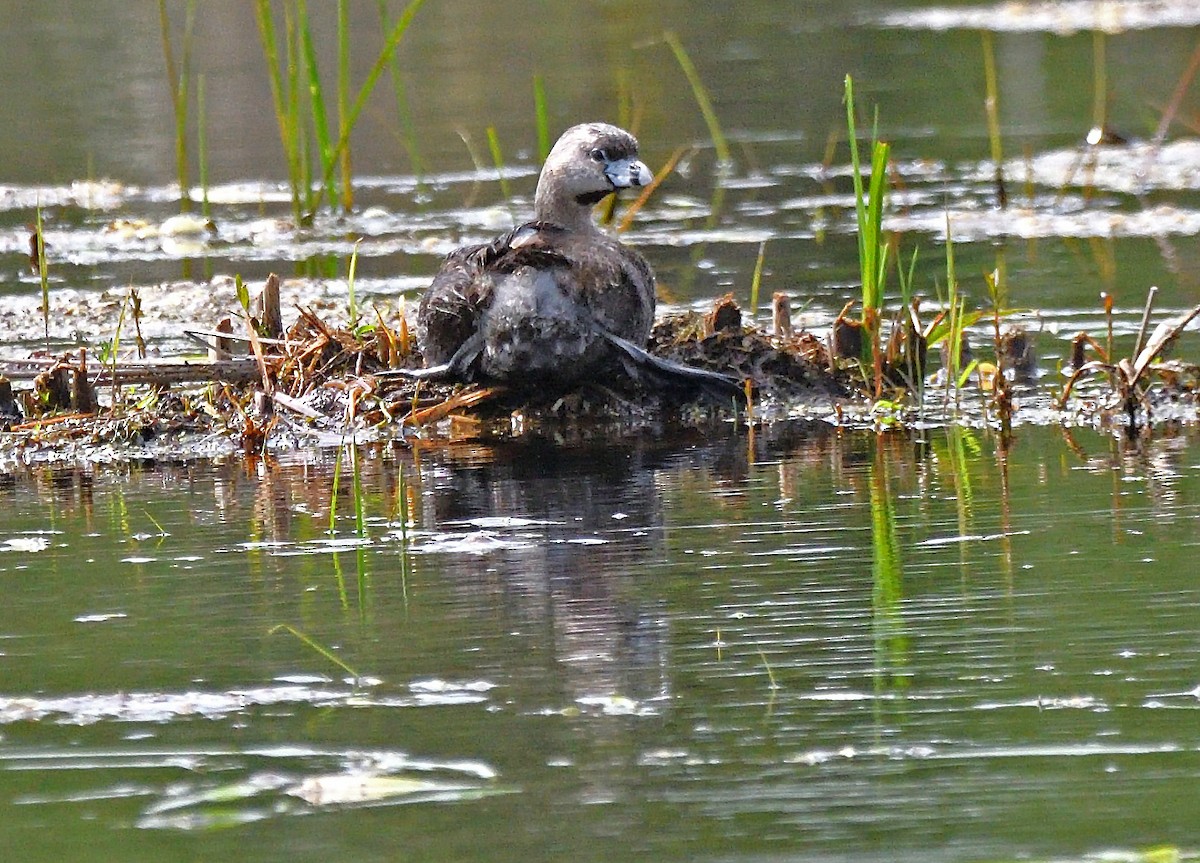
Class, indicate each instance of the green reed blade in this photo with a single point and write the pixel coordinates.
(314, 645)
(865, 242)
(498, 161)
(364, 91)
(873, 249)
(296, 88)
(242, 292)
(283, 118)
(701, 96)
(352, 270)
(403, 111)
(178, 76)
(756, 279)
(873, 290)
(1099, 80)
(316, 97)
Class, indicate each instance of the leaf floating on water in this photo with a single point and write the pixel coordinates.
(344, 790)
(25, 543)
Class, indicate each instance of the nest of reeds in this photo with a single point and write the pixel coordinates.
(317, 378)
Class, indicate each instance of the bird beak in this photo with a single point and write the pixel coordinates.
(623, 173)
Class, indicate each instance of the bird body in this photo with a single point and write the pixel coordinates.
(554, 300)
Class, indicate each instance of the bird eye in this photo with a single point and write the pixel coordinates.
(598, 155)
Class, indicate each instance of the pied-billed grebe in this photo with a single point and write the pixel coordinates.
(554, 300)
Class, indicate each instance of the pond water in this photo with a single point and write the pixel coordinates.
(796, 642)
(801, 644)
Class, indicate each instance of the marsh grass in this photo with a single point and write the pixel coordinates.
(756, 278)
(316, 97)
(343, 100)
(408, 129)
(382, 62)
(700, 94)
(873, 247)
(110, 350)
(162, 533)
(952, 332)
(179, 80)
(281, 76)
(1099, 80)
(351, 270)
(771, 681)
(541, 117)
(497, 154)
(640, 201)
(300, 118)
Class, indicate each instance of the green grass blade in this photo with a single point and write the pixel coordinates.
(860, 204)
(991, 106)
(353, 269)
(756, 279)
(541, 117)
(319, 648)
(877, 248)
(403, 112)
(316, 96)
(302, 188)
(701, 96)
(287, 139)
(178, 76)
(498, 161)
(181, 115)
(364, 91)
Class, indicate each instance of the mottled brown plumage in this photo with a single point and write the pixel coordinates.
(554, 300)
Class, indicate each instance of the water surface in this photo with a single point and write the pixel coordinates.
(688, 652)
(801, 643)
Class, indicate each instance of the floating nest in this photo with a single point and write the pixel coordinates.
(316, 382)
(320, 382)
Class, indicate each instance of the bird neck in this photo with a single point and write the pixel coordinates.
(552, 205)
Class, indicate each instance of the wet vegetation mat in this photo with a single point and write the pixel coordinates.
(322, 382)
